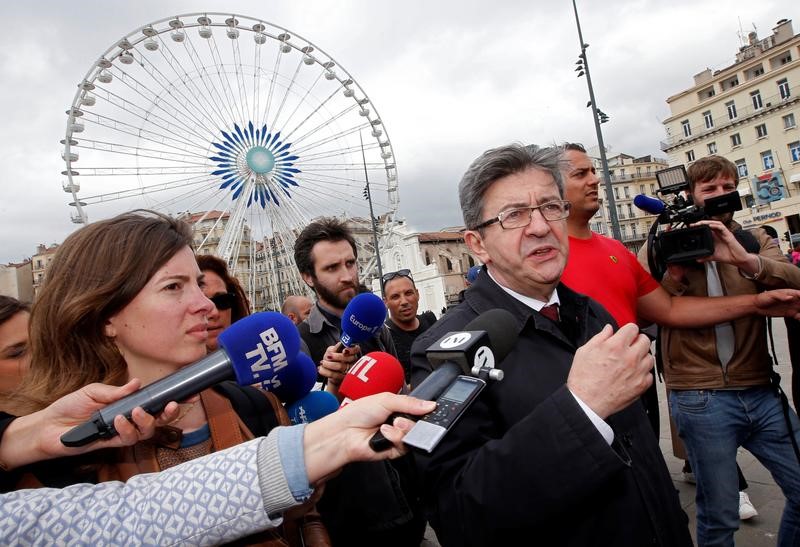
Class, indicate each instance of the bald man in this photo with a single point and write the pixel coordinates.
(296, 308)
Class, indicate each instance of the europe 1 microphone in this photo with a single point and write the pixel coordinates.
(463, 363)
(253, 350)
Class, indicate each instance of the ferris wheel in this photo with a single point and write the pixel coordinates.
(242, 127)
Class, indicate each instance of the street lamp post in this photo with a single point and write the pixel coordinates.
(368, 196)
(599, 117)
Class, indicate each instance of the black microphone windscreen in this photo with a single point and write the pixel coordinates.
(502, 328)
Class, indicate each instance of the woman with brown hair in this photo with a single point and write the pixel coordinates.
(227, 294)
(14, 352)
(122, 299)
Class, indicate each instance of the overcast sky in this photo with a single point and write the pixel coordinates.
(449, 78)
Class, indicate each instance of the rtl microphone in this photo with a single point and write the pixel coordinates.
(362, 319)
(649, 205)
(252, 350)
(313, 406)
(475, 351)
(375, 372)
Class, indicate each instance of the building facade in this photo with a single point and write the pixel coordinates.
(748, 112)
(438, 262)
(39, 263)
(16, 280)
(630, 176)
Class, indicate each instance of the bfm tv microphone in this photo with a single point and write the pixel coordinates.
(313, 406)
(649, 205)
(362, 319)
(375, 372)
(475, 351)
(252, 350)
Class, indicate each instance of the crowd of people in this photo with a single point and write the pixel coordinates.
(564, 449)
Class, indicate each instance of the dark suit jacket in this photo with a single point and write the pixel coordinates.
(526, 462)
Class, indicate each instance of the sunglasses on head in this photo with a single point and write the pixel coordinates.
(223, 300)
(405, 272)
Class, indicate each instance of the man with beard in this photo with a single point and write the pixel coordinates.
(373, 503)
(719, 377)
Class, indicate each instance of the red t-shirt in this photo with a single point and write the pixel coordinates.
(602, 268)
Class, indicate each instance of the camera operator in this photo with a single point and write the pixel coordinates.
(721, 395)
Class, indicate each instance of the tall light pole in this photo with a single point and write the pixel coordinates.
(599, 117)
(368, 196)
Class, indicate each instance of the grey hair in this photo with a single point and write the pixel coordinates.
(497, 163)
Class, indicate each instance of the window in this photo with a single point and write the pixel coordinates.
(761, 131)
(736, 140)
(690, 155)
(630, 210)
(641, 188)
(788, 121)
(794, 151)
(708, 119)
(616, 193)
(652, 188)
(627, 192)
(687, 130)
(648, 169)
(633, 230)
(741, 167)
(638, 171)
(731, 106)
(783, 88)
(619, 210)
(766, 159)
(712, 148)
(755, 96)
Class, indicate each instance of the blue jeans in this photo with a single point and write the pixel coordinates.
(713, 424)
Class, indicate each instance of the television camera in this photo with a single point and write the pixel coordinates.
(671, 239)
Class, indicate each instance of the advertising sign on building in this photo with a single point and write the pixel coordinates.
(768, 187)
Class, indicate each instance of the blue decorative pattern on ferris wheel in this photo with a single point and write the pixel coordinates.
(258, 155)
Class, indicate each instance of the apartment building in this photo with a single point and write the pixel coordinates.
(748, 112)
(39, 263)
(630, 176)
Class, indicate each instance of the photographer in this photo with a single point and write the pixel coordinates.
(721, 395)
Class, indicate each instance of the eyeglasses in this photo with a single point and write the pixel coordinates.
(405, 272)
(519, 217)
(223, 300)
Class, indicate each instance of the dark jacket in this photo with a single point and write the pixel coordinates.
(367, 503)
(525, 462)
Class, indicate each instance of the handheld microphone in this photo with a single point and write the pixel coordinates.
(313, 406)
(375, 372)
(649, 205)
(467, 352)
(293, 382)
(362, 319)
(252, 350)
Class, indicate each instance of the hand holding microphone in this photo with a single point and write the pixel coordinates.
(257, 349)
(362, 319)
(462, 361)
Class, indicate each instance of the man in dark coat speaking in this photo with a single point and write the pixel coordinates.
(560, 451)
